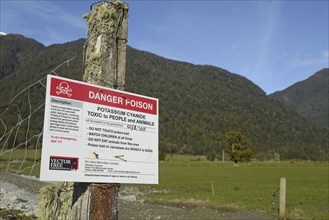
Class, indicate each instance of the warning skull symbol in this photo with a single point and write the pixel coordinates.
(64, 88)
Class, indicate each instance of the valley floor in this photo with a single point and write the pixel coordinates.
(19, 201)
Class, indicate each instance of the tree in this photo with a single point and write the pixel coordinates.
(236, 146)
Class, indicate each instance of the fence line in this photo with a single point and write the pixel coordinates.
(16, 155)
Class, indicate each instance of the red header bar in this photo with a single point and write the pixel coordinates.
(76, 90)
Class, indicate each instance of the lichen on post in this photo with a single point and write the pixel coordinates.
(104, 64)
(105, 48)
(55, 201)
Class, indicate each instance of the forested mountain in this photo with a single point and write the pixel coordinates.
(198, 104)
(310, 98)
(14, 51)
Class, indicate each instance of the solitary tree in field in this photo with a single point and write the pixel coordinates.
(236, 146)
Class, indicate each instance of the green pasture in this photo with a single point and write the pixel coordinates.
(21, 161)
(192, 180)
(250, 186)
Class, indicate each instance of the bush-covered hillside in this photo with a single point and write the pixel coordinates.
(198, 104)
(310, 98)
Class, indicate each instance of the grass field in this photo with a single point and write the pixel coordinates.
(21, 161)
(189, 180)
(249, 186)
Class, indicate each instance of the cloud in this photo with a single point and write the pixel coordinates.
(325, 54)
(235, 46)
(45, 21)
(271, 15)
(308, 60)
(52, 13)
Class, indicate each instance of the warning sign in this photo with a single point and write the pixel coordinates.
(96, 134)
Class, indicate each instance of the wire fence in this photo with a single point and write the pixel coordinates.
(21, 130)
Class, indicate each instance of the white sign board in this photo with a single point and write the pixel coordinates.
(96, 134)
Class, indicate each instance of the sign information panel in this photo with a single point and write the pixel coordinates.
(96, 134)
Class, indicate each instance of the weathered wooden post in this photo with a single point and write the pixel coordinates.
(104, 64)
(105, 48)
(282, 206)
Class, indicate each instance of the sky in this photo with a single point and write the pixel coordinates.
(272, 43)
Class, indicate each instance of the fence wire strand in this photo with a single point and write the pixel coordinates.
(14, 164)
(20, 155)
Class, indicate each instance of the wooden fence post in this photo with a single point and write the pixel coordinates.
(105, 48)
(282, 206)
(104, 64)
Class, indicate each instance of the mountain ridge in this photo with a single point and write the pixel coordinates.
(21, 49)
(198, 103)
(309, 97)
